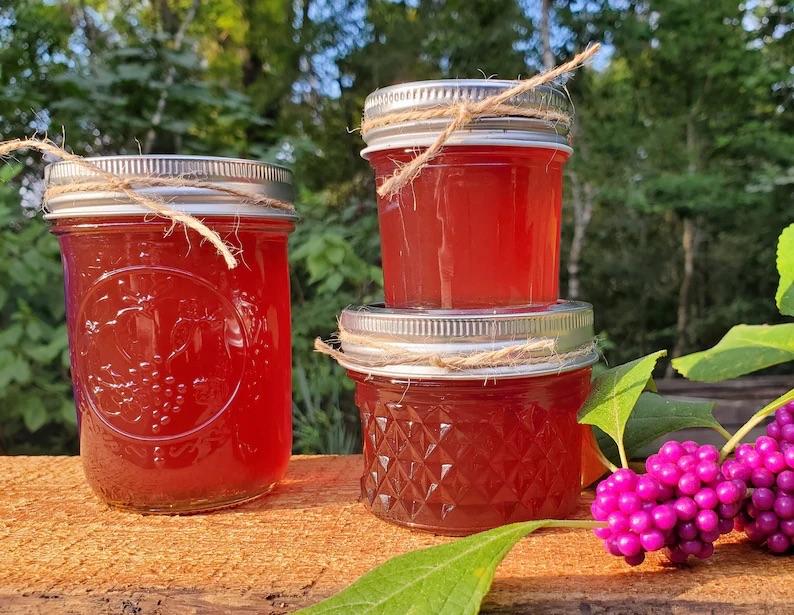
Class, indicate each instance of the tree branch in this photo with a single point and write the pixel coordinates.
(170, 76)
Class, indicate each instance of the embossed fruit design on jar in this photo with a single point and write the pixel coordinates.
(456, 450)
(181, 366)
(479, 226)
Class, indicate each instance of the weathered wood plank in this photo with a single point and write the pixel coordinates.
(743, 395)
(64, 552)
(736, 401)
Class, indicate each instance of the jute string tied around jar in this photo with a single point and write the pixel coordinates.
(527, 352)
(463, 113)
(129, 187)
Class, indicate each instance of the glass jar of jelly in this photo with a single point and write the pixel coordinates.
(480, 224)
(181, 367)
(457, 451)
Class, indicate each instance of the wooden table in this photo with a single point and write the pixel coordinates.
(62, 551)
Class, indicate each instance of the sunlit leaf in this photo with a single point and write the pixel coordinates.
(655, 416)
(743, 350)
(614, 394)
(785, 267)
(450, 579)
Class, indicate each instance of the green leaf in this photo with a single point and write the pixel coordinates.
(68, 413)
(450, 579)
(744, 349)
(185, 59)
(34, 330)
(9, 171)
(133, 72)
(10, 336)
(7, 364)
(34, 414)
(785, 267)
(655, 416)
(13, 368)
(336, 254)
(613, 396)
(45, 353)
(333, 282)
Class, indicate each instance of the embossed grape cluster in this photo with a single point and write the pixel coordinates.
(767, 514)
(683, 503)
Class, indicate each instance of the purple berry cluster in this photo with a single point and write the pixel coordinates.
(682, 503)
(767, 466)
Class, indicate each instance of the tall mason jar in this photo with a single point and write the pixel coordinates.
(181, 367)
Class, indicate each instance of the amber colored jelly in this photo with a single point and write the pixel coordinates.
(181, 367)
(456, 457)
(478, 227)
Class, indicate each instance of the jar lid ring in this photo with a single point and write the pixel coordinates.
(461, 113)
(464, 344)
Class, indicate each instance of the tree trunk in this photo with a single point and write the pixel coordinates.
(689, 246)
(583, 191)
(689, 241)
(545, 34)
(582, 201)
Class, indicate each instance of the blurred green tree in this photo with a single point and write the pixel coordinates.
(679, 185)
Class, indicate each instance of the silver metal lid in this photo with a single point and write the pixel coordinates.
(510, 131)
(260, 178)
(567, 325)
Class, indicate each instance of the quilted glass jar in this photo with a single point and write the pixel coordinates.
(460, 451)
(181, 367)
(480, 224)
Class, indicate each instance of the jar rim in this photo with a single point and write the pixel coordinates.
(414, 95)
(167, 165)
(259, 178)
(417, 96)
(506, 133)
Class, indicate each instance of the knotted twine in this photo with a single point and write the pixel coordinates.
(110, 182)
(529, 352)
(463, 113)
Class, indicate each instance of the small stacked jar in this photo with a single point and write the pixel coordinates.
(456, 438)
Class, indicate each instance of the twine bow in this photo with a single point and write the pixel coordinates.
(129, 187)
(463, 113)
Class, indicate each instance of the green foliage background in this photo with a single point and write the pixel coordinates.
(684, 130)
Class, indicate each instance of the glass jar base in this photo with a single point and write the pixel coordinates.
(192, 507)
(440, 530)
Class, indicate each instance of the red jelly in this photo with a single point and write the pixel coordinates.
(181, 367)
(460, 451)
(480, 225)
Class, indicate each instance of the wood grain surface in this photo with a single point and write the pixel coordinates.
(63, 551)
